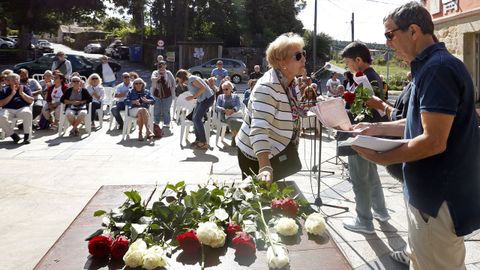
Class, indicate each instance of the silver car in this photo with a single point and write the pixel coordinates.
(237, 70)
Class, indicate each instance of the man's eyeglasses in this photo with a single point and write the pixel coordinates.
(126, 77)
(389, 35)
(298, 55)
(75, 81)
(94, 78)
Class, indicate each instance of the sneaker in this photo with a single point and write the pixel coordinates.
(400, 256)
(381, 217)
(15, 138)
(355, 225)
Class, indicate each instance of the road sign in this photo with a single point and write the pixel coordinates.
(170, 56)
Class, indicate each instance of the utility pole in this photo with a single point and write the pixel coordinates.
(353, 26)
(314, 43)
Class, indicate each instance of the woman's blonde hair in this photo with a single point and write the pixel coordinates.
(277, 51)
(229, 83)
(94, 75)
(140, 80)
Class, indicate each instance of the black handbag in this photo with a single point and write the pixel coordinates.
(286, 162)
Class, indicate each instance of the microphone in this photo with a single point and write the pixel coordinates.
(327, 66)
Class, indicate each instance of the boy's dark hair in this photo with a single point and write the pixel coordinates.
(357, 49)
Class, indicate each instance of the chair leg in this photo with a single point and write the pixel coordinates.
(100, 117)
(222, 132)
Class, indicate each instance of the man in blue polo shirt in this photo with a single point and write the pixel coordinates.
(441, 160)
(15, 100)
(219, 73)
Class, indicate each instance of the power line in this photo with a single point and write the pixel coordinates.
(381, 2)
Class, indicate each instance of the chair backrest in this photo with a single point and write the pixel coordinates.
(37, 77)
(109, 95)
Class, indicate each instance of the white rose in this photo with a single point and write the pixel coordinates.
(221, 214)
(210, 234)
(139, 244)
(286, 226)
(154, 257)
(315, 224)
(134, 256)
(277, 259)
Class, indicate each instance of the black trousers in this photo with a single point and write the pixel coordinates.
(247, 166)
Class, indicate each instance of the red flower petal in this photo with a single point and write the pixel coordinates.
(99, 246)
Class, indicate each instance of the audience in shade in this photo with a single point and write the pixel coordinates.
(52, 98)
(76, 99)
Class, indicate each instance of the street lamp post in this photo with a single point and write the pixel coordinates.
(314, 43)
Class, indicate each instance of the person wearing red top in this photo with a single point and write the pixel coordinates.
(54, 93)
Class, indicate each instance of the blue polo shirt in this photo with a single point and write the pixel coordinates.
(17, 101)
(442, 84)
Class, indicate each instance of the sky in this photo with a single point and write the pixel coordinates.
(334, 16)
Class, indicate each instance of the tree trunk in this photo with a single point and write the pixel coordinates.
(25, 33)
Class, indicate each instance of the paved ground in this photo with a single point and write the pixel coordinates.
(47, 183)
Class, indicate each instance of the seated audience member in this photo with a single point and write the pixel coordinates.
(133, 75)
(217, 90)
(76, 99)
(15, 100)
(82, 82)
(35, 89)
(332, 85)
(4, 77)
(315, 88)
(121, 92)
(53, 96)
(96, 90)
(228, 104)
(256, 74)
(248, 92)
(138, 101)
(308, 100)
(46, 82)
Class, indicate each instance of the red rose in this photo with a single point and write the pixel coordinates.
(232, 230)
(276, 204)
(244, 245)
(290, 207)
(99, 246)
(119, 247)
(349, 97)
(359, 74)
(189, 242)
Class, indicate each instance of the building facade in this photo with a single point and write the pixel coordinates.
(457, 23)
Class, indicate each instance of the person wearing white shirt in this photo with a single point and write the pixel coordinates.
(121, 92)
(95, 89)
(332, 85)
(107, 71)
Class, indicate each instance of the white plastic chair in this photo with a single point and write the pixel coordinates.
(63, 123)
(37, 76)
(107, 101)
(132, 120)
(220, 127)
(185, 125)
(112, 118)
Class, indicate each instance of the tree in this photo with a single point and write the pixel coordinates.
(135, 8)
(31, 16)
(323, 44)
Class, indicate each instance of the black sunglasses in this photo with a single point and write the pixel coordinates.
(298, 55)
(389, 35)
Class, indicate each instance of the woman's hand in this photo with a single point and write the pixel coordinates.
(265, 174)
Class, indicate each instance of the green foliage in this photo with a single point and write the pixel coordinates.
(358, 108)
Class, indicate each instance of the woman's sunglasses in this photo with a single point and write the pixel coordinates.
(389, 35)
(298, 55)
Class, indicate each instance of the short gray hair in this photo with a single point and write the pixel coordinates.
(412, 13)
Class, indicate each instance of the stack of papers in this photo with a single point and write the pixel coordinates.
(374, 143)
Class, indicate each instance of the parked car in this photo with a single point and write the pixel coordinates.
(93, 48)
(45, 47)
(117, 50)
(80, 64)
(237, 70)
(6, 43)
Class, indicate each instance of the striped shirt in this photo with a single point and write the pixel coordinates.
(268, 125)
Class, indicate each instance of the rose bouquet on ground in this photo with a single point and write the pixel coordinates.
(198, 218)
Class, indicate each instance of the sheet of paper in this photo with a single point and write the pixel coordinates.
(374, 143)
(332, 114)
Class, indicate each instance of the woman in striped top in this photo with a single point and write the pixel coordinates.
(272, 119)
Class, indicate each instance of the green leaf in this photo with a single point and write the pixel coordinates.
(172, 187)
(188, 200)
(99, 213)
(133, 196)
(180, 184)
(287, 191)
(96, 233)
(161, 211)
(154, 226)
